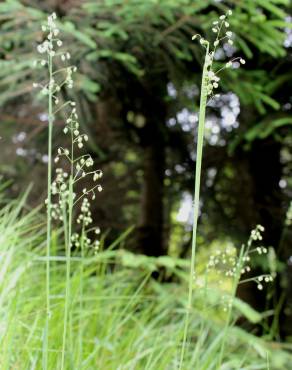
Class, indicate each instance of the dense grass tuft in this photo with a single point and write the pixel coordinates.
(124, 319)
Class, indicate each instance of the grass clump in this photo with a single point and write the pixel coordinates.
(127, 320)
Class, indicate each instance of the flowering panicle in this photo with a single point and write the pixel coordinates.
(221, 28)
(231, 265)
(79, 166)
(80, 169)
(50, 50)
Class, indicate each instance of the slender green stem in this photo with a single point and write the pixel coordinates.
(80, 353)
(200, 141)
(231, 303)
(49, 220)
(68, 231)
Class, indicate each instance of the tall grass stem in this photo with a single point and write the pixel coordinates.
(68, 253)
(200, 142)
(49, 218)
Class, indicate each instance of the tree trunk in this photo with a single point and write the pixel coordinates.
(150, 227)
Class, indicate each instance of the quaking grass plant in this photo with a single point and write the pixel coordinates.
(233, 265)
(210, 82)
(63, 196)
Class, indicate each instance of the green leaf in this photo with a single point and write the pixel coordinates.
(247, 311)
(10, 6)
(245, 48)
(81, 36)
(266, 128)
(166, 261)
(269, 101)
(89, 85)
(272, 8)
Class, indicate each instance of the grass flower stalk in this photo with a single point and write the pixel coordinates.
(49, 220)
(241, 266)
(49, 90)
(68, 243)
(62, 198)
(209, 83)
(200, 141)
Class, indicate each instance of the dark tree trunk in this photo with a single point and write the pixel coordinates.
(150, 227)
(148, 102)
(266, 171)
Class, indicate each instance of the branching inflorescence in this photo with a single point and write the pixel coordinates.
(231, 265)
(62, 194)
(221, 30)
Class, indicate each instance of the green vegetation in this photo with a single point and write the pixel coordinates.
(152, 286)
(127, 319)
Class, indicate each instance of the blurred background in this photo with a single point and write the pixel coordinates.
(137, 92)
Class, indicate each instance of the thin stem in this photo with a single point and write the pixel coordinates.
(68, 254)
(80, 353)
(229, 315)
(231, 61)
(62, 106)
(49, 220)
(200, 141)
(88, 192)
(62, 69)
(82, 177)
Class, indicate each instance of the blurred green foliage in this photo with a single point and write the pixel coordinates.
(136, 88)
